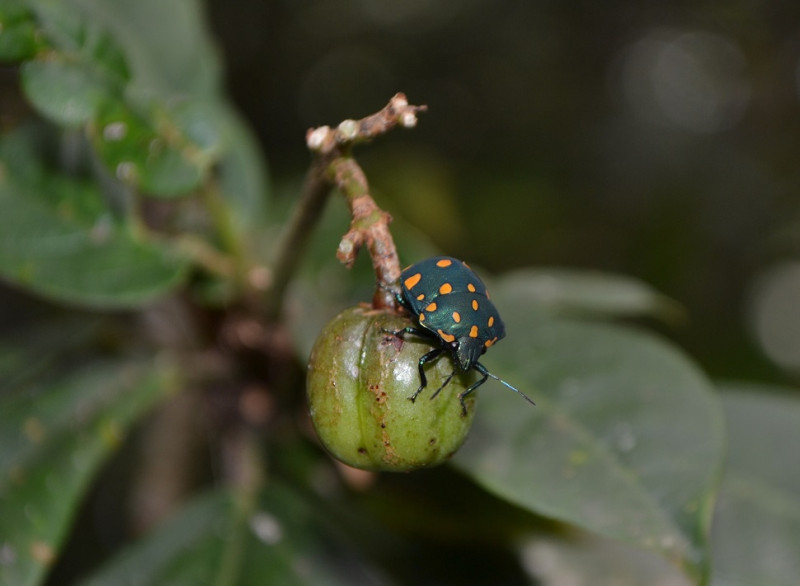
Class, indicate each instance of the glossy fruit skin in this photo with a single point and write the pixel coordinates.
(359, 381)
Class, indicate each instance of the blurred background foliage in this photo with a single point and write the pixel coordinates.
(652, 139)
(657, 141)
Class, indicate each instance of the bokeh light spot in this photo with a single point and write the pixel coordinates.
(774, 306)
(695, 80)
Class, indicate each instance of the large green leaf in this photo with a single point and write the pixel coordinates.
(58, 239)
(68, 92)
(145, 77)
(241, 172)
(563, 291)
(82, 67)
(53, 438)
(167, 44)
(756, 535)
(626, 439)
(584, 559)
(223, 539)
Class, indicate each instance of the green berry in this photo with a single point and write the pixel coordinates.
(359, 382)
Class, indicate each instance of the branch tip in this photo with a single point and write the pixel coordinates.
(369, 226)
(317, 137)
(398, 112)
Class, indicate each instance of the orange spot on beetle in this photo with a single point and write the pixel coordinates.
(456, 317)
(445, 262)
(491, 321)
(445, 336)
(412, 280)
(471, 287)
(488, 343)
(475, 304)
(445, 289)
(421, 317)
(431, 307)
(473, 332)
(421, 296)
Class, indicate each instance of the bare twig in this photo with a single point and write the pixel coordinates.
(370, 226)
(398, 111)
(334, 167)
(296, 236)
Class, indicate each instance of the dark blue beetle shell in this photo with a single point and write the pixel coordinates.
(451, 301)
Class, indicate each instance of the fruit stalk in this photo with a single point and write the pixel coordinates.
(333, 166)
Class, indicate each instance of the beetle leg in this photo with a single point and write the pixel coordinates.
(391, 288)
(471, 388)
(444, 384)
(408, 330)
(432, 355)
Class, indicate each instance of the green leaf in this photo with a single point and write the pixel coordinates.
(167, 44)
(241, 173)
(144, 76)
(148, 151)
(756, 535)
(52, 440)
(67, 92)
(58, 239)
(217, 539)
(587, 293)
(625, 441)
(82, 68)
(580, 558)
(25, 355)
(17, 32)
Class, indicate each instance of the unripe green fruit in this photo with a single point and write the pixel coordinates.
(359, 382)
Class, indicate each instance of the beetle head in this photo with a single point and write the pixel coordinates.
(468, 352)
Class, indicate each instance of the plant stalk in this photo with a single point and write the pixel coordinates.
(333, 166)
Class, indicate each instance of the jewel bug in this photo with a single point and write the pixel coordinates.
(450, 304)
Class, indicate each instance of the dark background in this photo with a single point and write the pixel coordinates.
(654, 139)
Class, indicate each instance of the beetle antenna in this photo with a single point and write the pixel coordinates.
(516, 390)
(482, 369)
